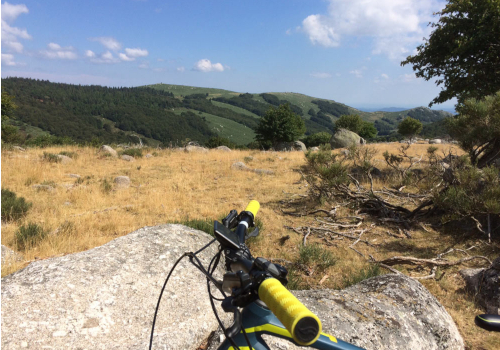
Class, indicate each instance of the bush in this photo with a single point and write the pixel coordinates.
(220, 141)
(133, 152)
(317, 255)
(13, 207)
(72, 155)
(49, 140)
(51, 157)
(317, 139)
(106, 186)
(30, 235)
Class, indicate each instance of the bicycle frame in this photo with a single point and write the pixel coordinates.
(258, 320)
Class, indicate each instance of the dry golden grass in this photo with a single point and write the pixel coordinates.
(175, 185)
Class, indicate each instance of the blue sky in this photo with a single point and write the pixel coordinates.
(345, 50)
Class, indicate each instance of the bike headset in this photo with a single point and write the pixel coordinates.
(249, 280)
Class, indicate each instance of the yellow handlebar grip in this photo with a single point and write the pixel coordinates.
(303, 325)
(253, 207)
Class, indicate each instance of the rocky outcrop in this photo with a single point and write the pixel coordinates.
(122, 181)
(390, 312)
(127, 158)
(9, 256)
(291, 146)
(344, 138)
(198, 149)
(105, 298)
(64, 159)
(484, 284)
(108, 150)
(223, 148)
(435, 141)
(243, 166)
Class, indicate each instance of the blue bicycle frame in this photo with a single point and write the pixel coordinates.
(258, 320)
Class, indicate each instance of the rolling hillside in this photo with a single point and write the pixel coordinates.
(168, 114)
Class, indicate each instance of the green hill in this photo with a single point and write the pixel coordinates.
(168, 114)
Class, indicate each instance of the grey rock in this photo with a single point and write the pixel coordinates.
(108, 150)
(223, 148)
(384, 312)
(47, 188)
(243, 166)
(64, 159)
(149, 155)
(344, 138)
(19, 148)
(122, 181)
(240, 166)
(290, 146)
(345, 152)
(389, 312)
(105, 298)
(484, 284)
(76, 176)
(9, 256)
(191, 149)
(314, 149)
(435, 141)
(127, 158)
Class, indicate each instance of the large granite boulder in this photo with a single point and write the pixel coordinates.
(390, 312)
(105, 298)
(108, 150)
(344, 138)
(484, 284)
(291, 146)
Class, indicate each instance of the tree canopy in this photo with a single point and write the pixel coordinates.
(354, 123)
(280, 125)
(477, 129)
(463, 51)
(410, 127)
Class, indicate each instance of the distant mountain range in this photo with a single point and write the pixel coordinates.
(168, 114)
(398, 109)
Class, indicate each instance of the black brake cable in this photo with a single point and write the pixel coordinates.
(190, 254)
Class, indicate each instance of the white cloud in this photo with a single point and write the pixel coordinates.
(357, 73)
(55, 51)
(205, 65)
(160, 59)
(126, 58)
(144, 65)
(106, 57)
(394, 25)
(8, 59)
(11, 35)
(54, 46)
(408, 78)
(11, 12)
(137, 52)
(108, 42)
(385, 76)
(181, 69)
(89, 53)
(14, 46)
(320, 31)
(320, 75)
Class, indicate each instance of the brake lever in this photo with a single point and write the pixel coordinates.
(254, 233)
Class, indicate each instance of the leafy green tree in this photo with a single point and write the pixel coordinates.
(352, 122)
(463, 51)
(9, 132)
(319, 138)
(217, 141)
(280, 125)
(477, 129)
(409, 127)
(368, 130)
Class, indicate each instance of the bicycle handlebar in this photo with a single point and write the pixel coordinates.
(303, 325)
